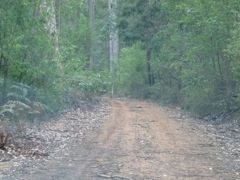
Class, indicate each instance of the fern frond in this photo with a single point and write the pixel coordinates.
(16, 87)
(41, 107)
(15, 96)
(20, 89)
(34, 112)
(20, 105)
(7, 112)
(9, 105)
(23, 85)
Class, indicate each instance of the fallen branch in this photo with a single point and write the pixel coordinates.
(113, 176)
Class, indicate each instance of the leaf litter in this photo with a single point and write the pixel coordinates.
(43, 142)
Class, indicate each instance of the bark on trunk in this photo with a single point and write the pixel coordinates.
(149, 68)
(51, 25)
(5, 78)
(91, 9)
(58, 15)
(91, 6)
(113, 36)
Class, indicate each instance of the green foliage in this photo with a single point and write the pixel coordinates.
(27, 54)
(194, 49)
(26, 50)
(75, 44)
(233, 49)
(20, 107)
(138, 20)
(178, 52)
(89, 84)
(163, 93)
(131, 75)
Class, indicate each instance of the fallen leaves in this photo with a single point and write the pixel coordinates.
(52, 139)
(225, 136)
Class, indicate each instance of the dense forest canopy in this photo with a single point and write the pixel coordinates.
(55, 53)
(191, 53)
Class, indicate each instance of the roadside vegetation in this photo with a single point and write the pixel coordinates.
(184, 53)
(60, 54)
(44, 63)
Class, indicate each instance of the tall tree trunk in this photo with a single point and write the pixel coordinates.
(58, 15)
(113, 36)
(51, 25)
(148, 34)
(91, 9)
(229, 83)
(5, 77)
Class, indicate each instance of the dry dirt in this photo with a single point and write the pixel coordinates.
(141, 140)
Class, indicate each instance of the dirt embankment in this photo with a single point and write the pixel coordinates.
(140, 140)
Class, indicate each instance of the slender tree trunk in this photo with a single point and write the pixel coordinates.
(113, 36)
(181, 51)
(229, 83)
(148, 34)
(149, 68)
(5, 77)
(91, 9)
(179, 87)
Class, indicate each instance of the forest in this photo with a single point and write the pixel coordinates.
(57, 54)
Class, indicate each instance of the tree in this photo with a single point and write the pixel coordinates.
(45, 45)
(48, 8)
(113, 35)
(22, 34)
(140, 21)
(91, 9)
(191, 49)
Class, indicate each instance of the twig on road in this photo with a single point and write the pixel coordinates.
(113, 176)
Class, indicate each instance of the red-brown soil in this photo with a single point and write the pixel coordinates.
(141, 140)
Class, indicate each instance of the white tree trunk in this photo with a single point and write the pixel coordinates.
(113, 36)
(48, 6)
(58, 18)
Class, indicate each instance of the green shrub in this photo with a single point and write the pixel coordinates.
(89, 84)
(131, 76)
(163, 94)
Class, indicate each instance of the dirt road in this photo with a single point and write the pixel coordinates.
(141, 141)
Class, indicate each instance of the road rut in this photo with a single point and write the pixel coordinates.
(140, 141)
